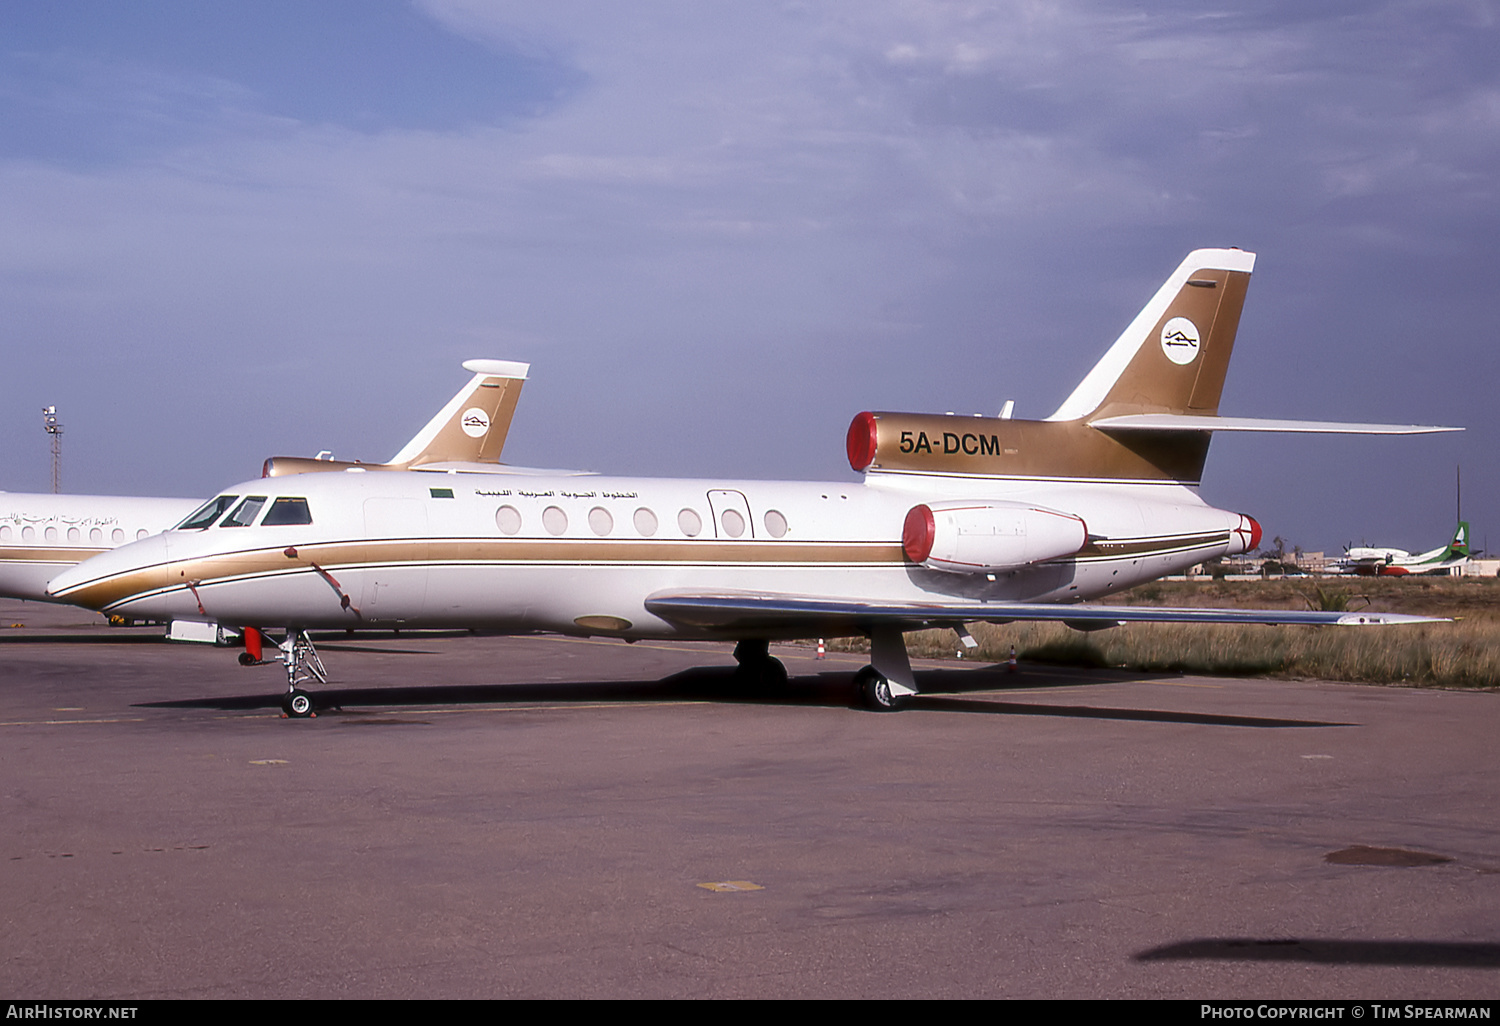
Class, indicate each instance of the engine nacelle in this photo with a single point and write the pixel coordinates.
(981, 537)
(1244, 534)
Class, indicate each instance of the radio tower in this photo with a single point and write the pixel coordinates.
(53, 428)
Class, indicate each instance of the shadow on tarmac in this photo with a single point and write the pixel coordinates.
(1438, 954)
(942, 691)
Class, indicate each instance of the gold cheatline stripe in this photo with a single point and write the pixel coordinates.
(58, 554)
(343, 556)
(339, 556)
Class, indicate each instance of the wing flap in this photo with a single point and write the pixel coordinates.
(804, 616)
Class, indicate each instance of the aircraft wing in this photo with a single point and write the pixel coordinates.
(1189, 422)
(804, 616)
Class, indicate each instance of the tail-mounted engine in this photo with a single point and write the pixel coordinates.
(1244, 536)
(982, 537)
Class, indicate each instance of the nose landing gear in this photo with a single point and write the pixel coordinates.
(302, 667)
(302, 664)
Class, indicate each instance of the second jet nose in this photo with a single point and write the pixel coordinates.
(114, 576)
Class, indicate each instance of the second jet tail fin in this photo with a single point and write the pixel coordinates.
(471, 428)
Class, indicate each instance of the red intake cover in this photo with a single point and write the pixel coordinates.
(918, 534)
(861, 441)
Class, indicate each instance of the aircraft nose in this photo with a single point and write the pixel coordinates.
(114, 576)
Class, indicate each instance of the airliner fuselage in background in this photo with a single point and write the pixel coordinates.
(957, 520)
(42, 534)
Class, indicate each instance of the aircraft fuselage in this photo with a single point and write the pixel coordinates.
(583, 554)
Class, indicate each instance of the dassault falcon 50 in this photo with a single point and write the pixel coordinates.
(957, 520)
(42, 534)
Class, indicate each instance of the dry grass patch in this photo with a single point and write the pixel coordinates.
(1465, 653)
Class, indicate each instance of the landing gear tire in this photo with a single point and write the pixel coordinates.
(761, 678)
(758, 671)
(875, 691)
(299, 705)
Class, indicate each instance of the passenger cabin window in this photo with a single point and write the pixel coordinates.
(245, 515)
(207, 514)
(286, 511)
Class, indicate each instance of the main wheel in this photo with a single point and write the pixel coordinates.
(298, 705)
(875, 691)
(761, 676)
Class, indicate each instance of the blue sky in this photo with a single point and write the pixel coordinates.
(718, 230)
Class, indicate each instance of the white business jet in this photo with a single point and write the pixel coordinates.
(42, 534)
(958, 520)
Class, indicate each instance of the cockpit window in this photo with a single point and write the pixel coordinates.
(206, 514)
(245, 515)
(287, 510)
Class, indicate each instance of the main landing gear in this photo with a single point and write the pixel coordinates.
(883, 686)
(302, 664)
(758, 670)
(873, 691)
(887, 682)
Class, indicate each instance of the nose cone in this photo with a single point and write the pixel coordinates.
(114, 577)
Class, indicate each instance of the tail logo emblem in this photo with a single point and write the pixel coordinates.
(475, 422)
(1179, 340)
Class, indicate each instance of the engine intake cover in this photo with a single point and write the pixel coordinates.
(980, 537)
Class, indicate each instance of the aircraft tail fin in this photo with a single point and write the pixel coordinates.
(1145, 412)
(473, 426)
(1458, 548)
(1173, 356)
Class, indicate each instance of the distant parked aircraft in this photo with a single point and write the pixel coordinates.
(43, 534)
(1388, 562)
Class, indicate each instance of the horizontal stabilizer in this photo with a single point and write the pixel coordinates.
(801, 616)
(1188, 422)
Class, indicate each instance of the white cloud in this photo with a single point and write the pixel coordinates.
(880, 201)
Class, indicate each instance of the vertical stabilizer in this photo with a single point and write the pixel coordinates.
(473, 426)
(1172, 357)
(1459, 547)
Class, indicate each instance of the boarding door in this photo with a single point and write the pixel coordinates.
(731, 514)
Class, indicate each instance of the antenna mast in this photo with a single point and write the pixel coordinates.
(53, 428)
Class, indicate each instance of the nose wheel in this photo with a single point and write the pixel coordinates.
(298, 704)
(302, 667)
